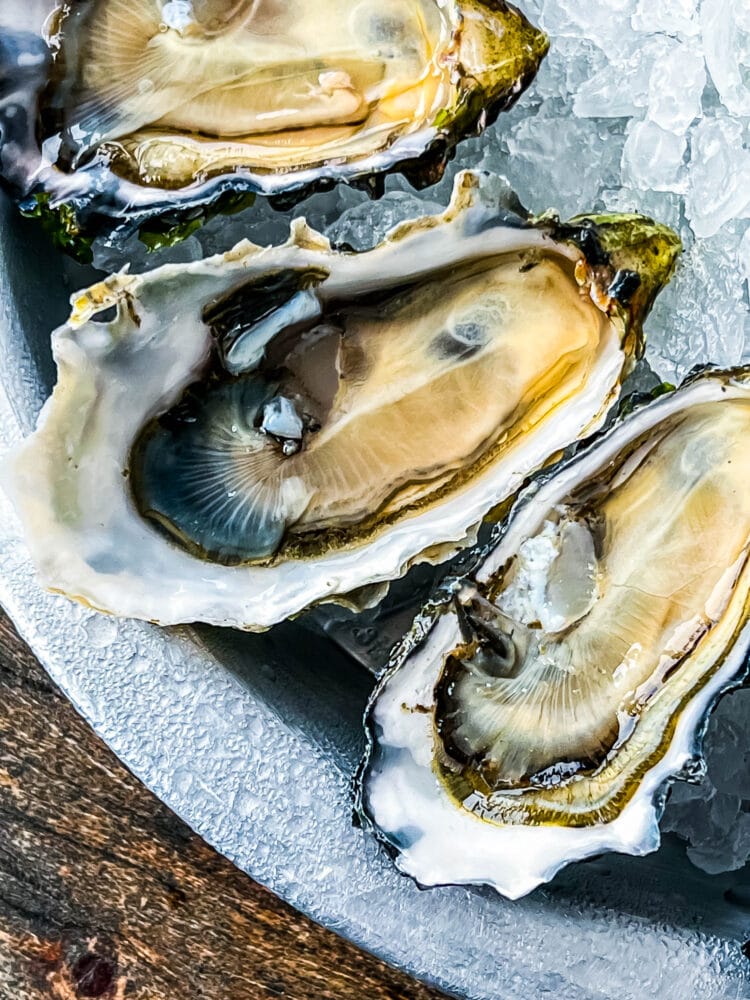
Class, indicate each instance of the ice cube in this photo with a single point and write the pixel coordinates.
(719, 176)
(364, 225)
(726, 38)
(676, 85)
(621, 87)
(563, 162)
(702, 315)
(670, 17)
(654, 158)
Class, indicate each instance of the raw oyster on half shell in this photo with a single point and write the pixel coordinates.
(272, 428)
(173, 108)
(537, 712)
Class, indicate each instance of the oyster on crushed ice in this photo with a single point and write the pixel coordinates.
(272, 428)
(139, 108)
(536, 714)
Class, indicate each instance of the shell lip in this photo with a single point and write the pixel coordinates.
(686, 748)
(93, 198)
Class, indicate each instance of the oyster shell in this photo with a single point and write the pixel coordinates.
(157, 106)
(535, 715)
(271, 428)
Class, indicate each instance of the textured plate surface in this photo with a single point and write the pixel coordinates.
(253, 740)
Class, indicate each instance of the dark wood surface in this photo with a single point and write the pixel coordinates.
(105, 893)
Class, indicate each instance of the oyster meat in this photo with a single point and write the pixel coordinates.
(537, 712)
(272, 428)
(149, 106)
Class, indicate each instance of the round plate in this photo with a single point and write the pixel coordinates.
(253, 740)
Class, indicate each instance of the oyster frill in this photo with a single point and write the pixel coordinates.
(271, 428)
(536, 714)
(149, 106)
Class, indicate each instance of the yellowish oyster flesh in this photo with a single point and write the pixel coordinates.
(173, 92)
(647, 574)
(410, 399)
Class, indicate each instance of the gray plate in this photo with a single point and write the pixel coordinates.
(252, 740)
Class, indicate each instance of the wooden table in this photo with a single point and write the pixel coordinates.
(105, 893)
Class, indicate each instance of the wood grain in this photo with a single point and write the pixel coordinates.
(105, 893)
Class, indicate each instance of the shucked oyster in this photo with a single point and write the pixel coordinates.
(152, 105)
(276, 427)
(537, 714)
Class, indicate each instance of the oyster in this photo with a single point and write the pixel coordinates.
(538, 711)
(153, 106)
(272, 428)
